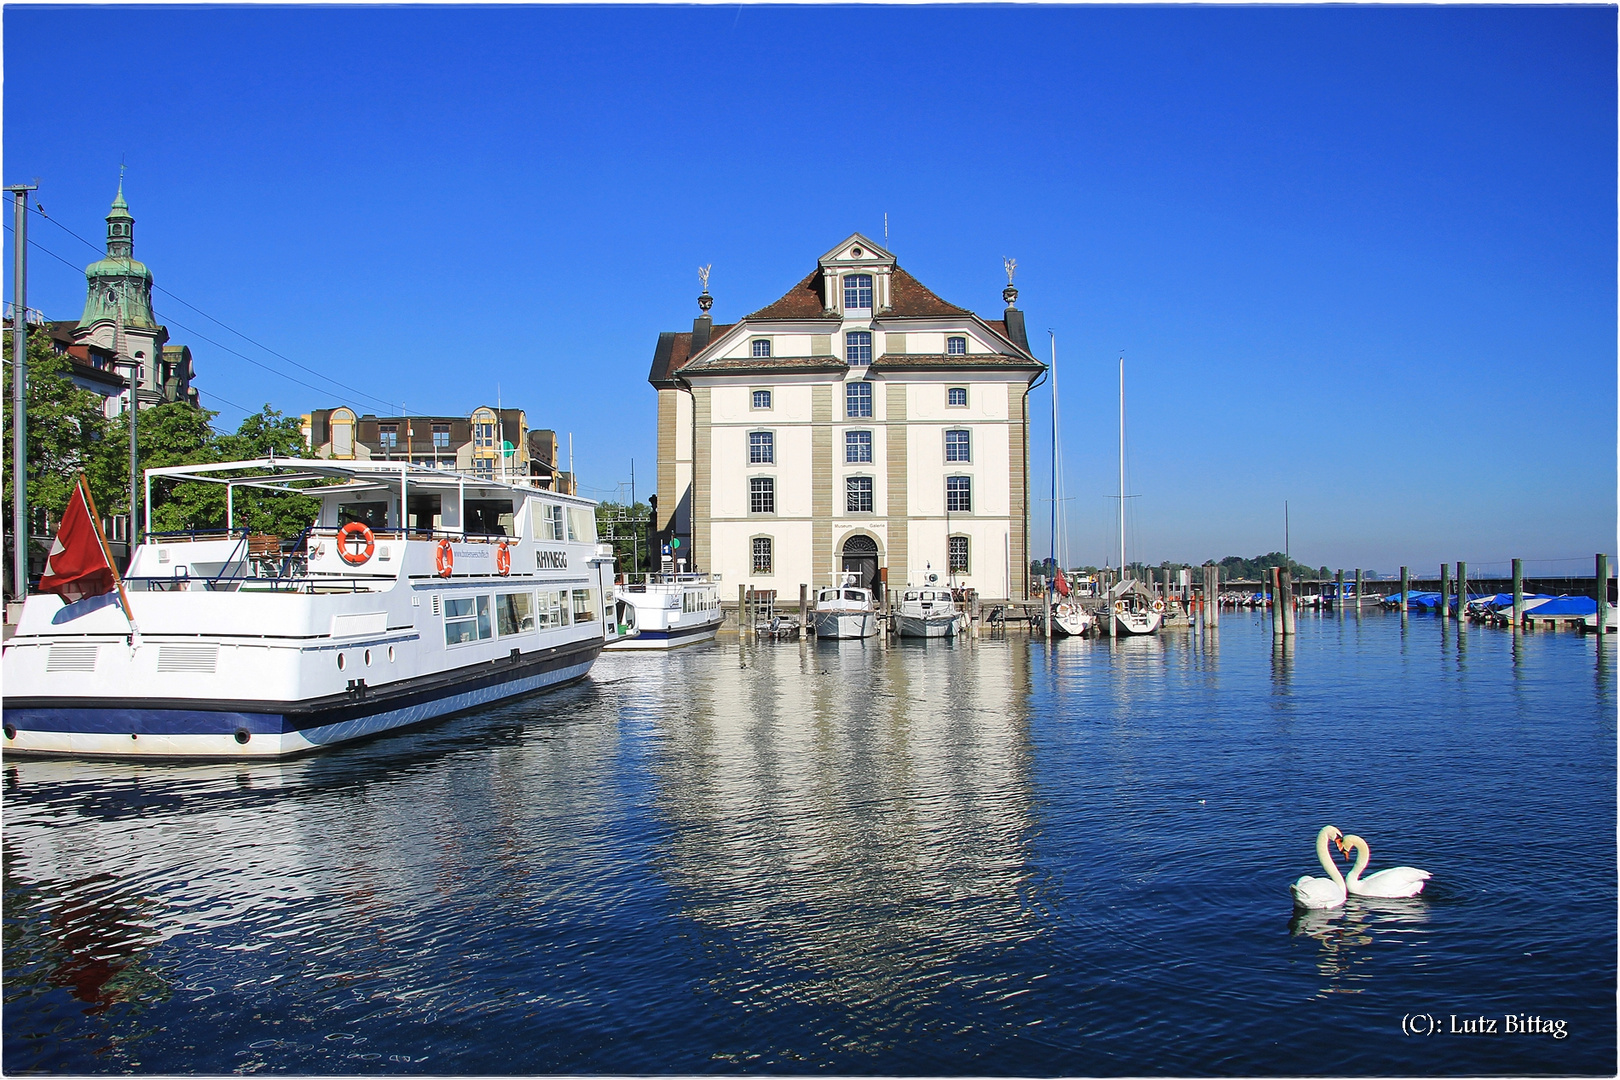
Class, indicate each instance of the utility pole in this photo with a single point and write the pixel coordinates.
(19, 385)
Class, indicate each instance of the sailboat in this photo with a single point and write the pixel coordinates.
(1134, 609)
(1069, 618)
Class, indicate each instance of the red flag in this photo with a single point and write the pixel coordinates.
(1061, 583)
(79, 565)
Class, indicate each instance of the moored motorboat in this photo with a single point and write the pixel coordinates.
(415, 593)
(668, 611)
(844, 611)
(928, 613)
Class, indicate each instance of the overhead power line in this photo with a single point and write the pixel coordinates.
(180, 300)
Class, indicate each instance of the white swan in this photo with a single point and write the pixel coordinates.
(1391, 884)
(1315, 892)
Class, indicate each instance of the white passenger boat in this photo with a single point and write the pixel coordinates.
(844, 611)
(416, 593)
(928, 613)
(669, 610)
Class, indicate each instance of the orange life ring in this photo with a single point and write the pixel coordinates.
(503, 559)
(1158, 605)
(349, 540)
(444, 559)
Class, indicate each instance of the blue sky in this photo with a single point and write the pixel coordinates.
(1359, 259)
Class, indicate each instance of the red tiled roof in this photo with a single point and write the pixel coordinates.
(908, 296)
(803, 301)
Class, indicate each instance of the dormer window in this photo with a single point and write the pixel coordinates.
(762, 346)
(956, 346)
(858, 291)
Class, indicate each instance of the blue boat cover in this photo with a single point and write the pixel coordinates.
(1567, 605)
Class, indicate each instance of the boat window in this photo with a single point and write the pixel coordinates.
(581, 525)
(371, 514)
(851, 594)
(514, 613)
(552, 609)
(466, 618)
(585, 605)
(491, 517)
(547, 520)
(427, 513)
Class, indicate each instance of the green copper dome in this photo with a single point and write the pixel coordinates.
(119, 281)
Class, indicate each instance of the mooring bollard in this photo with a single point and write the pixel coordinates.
(1518, 595)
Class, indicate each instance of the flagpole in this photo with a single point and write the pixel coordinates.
(118, 579)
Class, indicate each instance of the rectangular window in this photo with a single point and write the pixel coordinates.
(957, 446)
(484, 468)
(388, 436)
(552, 609)
(547, 519)
(761, 495)
(857, 447)
(761, 448)
(858, 494)
(959, 494)
(514, 613)
(958, 555)
(585, 605)
(441, 436)
(762, 399)
(858, 347)
(762, 346)
(858, 290)
(762, 555)
(581, 525)
(858, 400)
(956, 397)
(466, 619)
(956, 346)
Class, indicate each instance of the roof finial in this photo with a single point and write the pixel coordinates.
(1010, 293)
(705, 301)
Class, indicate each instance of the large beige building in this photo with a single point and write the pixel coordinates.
(860, 423)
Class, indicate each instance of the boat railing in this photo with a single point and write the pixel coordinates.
(638, 581)
(329, 532)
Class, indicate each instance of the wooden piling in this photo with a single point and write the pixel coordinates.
(1275, 574)
(1462, 591)
(1338, 592)
(1047, 626)
(804, 610)
(1602, 596)
(1445, 590)
(1286, 597)
(742, 607)
(1360, 583)
(1518, 595)
(1406, 585)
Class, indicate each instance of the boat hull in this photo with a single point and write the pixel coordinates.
(1130, 624)
(194, 728)
(674, 637)
(844, 624)
(930, 626)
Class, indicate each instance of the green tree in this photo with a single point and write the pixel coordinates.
(628, 525)
(65, 426)
(173, 434)
(268, 433)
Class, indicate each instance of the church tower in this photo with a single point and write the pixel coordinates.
(118, 283)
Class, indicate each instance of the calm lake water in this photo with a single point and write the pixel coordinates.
(991, 857)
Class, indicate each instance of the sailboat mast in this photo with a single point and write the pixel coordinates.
(1122, 468)
(1052, 540)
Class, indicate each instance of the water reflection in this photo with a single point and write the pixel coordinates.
(1344, 934)
(855, 826)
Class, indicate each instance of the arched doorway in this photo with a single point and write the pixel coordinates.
(861, 559)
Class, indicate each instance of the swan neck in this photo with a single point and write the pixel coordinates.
(1363, 856)
(1326, 860)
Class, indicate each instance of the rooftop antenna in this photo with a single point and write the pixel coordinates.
(885, 228)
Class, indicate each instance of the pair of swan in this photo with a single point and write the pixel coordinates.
(1329, 892)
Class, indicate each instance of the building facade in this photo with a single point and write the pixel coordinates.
(118, 301)
(858, 424)
(488, 443)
